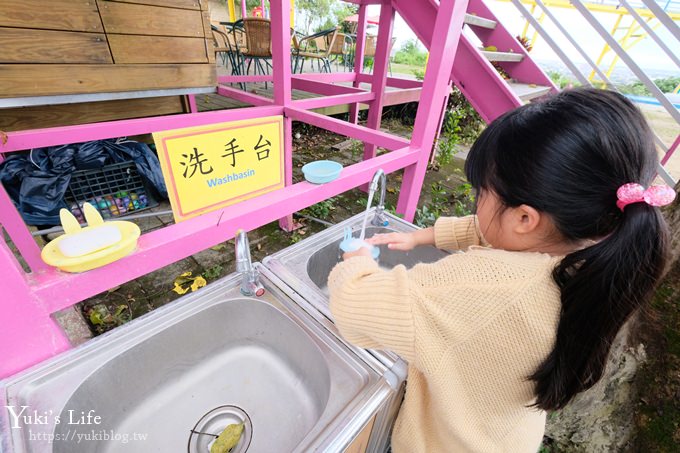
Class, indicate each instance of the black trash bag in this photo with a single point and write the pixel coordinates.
(36, 181)
(145, 160)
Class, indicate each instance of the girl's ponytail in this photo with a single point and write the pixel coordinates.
(568, 157)
(601, 286)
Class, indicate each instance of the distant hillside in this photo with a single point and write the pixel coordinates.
(621, 73)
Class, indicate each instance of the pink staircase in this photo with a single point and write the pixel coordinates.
(473, 72)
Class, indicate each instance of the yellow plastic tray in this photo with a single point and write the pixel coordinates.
(129, 232)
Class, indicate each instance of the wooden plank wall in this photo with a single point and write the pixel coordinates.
(19, 119)
(97, 46)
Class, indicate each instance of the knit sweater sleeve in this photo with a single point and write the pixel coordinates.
(457, 233)
(372, 307)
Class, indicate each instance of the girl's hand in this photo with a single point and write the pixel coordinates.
(395, 241)
(363, 251)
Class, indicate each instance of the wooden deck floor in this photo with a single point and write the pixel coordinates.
(207, 102)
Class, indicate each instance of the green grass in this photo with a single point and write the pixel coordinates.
(405, 69)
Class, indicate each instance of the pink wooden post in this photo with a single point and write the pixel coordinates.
(28, 333)
(440, 123)
(12, 222)
(244, 13)
(447, 31)
(192, 103)
(380, 66)
(280, 23)
(358, 59)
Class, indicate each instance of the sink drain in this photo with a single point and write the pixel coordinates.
(213, 423)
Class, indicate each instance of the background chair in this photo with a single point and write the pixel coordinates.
(317, 47)
(225, 48)
(369, 51)
(341, 50)
(259, 44)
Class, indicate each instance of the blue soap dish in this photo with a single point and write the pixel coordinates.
(321, 171)
(351, 244)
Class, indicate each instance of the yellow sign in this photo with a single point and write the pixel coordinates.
(210, 167)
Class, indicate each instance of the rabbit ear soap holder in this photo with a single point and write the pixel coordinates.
(98, 244)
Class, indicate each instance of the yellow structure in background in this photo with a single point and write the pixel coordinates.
(232, 12)
(626, 30)
(209, 167)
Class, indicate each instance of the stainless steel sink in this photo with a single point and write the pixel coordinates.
(306, 265)
(209, 359)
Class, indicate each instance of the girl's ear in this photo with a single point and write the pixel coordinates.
(526, 219)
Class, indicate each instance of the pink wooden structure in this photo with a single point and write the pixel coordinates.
(28, 333)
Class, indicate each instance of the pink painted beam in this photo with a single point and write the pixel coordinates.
(445, 39)
(175, 242)
(380, 66)
(364, 77)
(397, 82)
(396, 97)
(324, 88)
(363, 2)
(378, 138)
(327, 77)
(338, 99)
(280, 25)
(394, 82)
(38, 138)
(359, 50)
(671, 150)
(13, 223)
(245, 78)
(28, 334)
(243, 96)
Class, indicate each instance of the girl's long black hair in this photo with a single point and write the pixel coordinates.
(566, 157)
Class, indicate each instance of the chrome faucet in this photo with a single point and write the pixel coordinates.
(379, 219)
(250, 284)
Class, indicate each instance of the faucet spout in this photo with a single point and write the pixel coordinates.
(250, 283)
(379, 219)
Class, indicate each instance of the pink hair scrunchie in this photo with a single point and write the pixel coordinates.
(659, 195)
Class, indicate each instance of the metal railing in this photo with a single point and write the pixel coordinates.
(659, 8)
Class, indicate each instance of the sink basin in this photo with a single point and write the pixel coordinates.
(209, 359)
(305, 266)
(321, 263)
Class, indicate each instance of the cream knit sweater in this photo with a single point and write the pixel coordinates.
(472, 326)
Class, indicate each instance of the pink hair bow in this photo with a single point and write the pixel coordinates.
(635, 193)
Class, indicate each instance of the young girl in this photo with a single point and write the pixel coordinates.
(565, 246)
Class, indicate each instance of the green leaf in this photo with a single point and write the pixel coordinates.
(228, 439)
